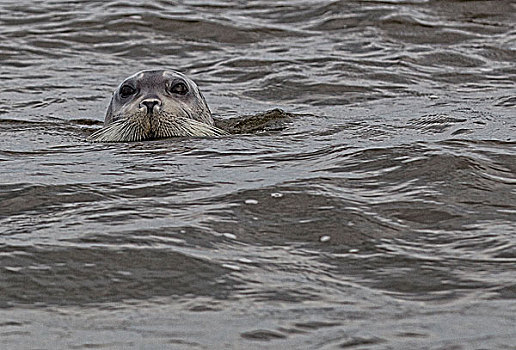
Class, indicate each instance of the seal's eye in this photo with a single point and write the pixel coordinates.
(179, 88)
(126, 91)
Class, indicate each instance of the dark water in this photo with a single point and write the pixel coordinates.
(383, 217)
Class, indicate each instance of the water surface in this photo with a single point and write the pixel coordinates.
(382, 217)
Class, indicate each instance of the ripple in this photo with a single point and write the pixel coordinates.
(102, 275)
(388, 195)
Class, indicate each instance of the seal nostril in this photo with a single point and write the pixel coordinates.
(150, 104)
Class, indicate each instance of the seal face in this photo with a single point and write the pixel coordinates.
(155, 104)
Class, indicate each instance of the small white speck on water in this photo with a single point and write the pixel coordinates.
(324, 238)
(136, 17)
(245, 261)
(231, 267)
(182, 231)
(229, 235)
(353, 251)
(327, 207)
(124, 273)
(276, 195)
(39, 267)
(351, 223)
(13, 268)
(251, 201)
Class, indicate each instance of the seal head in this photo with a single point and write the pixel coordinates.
(155, 104)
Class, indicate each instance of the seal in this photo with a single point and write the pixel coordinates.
(154, 104)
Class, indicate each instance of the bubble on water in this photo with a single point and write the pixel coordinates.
(276, 195)
(229, 235)
(13, 268)
(353, 251)
(231, 267)
(124, 273)
(251, 201)
(39, 267)
(324, 238)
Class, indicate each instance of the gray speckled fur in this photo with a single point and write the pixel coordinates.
(178, 109)
(152, 84)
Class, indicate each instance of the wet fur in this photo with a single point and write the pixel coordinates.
(139, 128)
(180, 116)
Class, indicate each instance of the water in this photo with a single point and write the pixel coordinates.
(382, 217)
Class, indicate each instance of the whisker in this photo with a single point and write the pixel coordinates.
(126, 130)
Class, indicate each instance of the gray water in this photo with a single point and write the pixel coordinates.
(382, 217)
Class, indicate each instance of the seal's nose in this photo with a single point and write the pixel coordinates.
(151, 105)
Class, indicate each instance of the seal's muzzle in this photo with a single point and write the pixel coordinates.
(150, 106)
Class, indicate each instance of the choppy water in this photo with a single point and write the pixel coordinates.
(383, 217)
